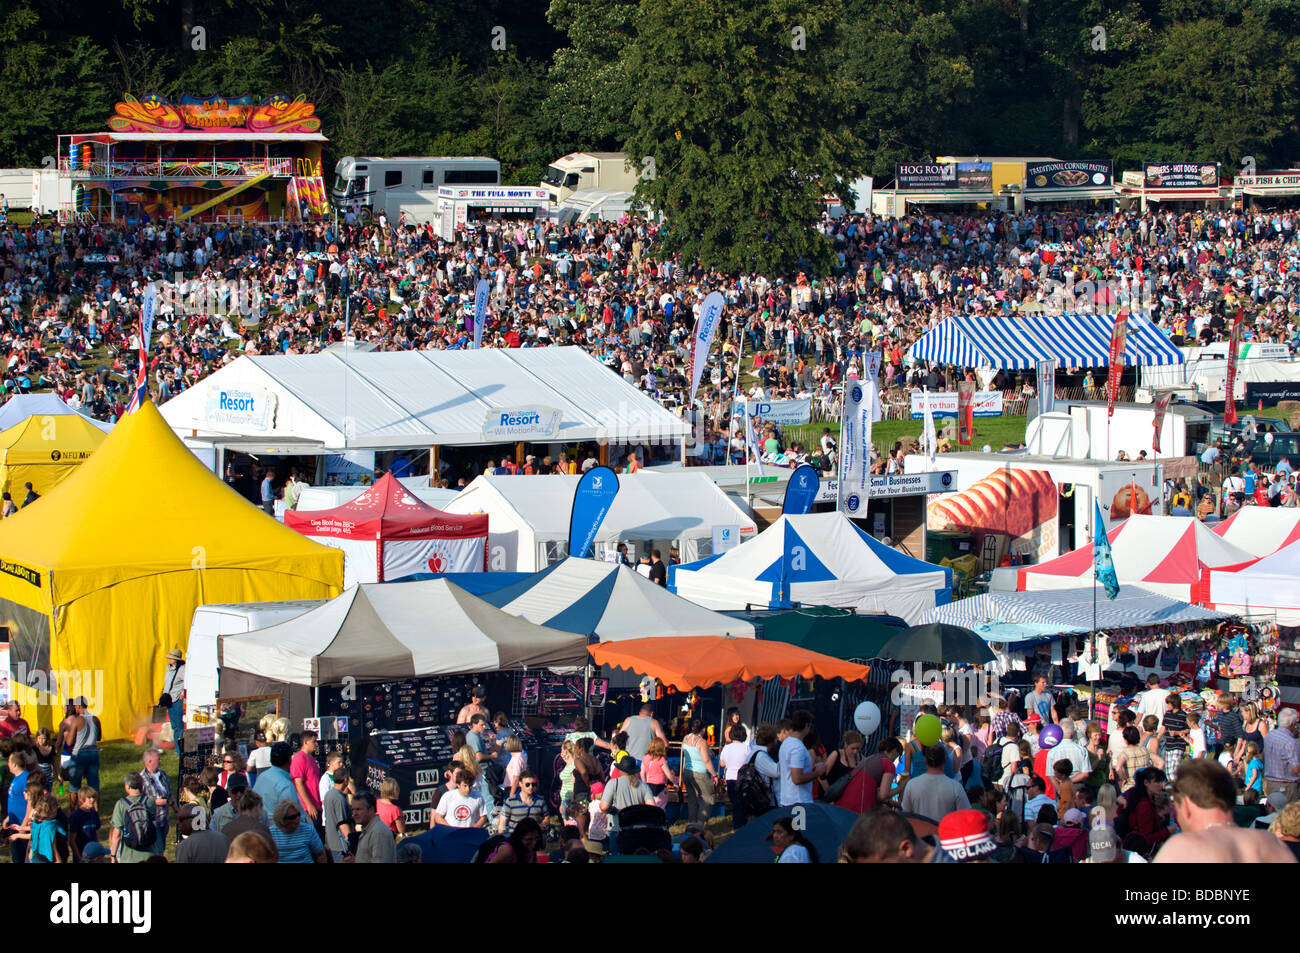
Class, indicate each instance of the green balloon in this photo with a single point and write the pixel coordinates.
(928, 730)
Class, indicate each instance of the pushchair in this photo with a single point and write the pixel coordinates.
(643, 827)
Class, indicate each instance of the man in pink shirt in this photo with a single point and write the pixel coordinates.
(305, 772)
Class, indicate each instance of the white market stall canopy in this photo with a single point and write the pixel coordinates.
(399, 630)
(607, 601)
(529, 515)
(1019, 342)
(1065, 610)
(415, 399)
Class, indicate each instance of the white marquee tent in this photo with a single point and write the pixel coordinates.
(528, 517)
(314, 403)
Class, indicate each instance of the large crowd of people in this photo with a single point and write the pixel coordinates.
(1025, 778)
(72, 295)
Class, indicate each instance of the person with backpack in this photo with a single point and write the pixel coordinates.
(133, 830)
(1001, 757)
(733, 757)
(754, 778)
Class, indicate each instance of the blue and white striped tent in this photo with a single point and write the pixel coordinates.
(1029, 616)
(1019, 342)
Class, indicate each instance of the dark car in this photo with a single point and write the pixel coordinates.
(1266, 454)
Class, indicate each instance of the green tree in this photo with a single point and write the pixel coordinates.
(1211, 88)
(742, 115)
(49, 84)
(590, 93)
(911, 79)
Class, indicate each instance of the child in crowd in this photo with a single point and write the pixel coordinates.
(516, 765)
(568, 753)
(83, 825)
(656, 773)
(1195, 736)
(1033, 724)
(1254, 769)
(45, 829)
(1061, 771)
(386, 806)
(598, 823)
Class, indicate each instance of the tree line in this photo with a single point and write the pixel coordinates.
(749, 111)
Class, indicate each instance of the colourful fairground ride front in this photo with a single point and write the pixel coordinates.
(201, 160)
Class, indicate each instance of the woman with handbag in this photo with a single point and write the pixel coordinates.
(841, 763)
(698, 774)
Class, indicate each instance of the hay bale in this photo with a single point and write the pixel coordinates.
(1294, 420)
(910, 443)
(1288, 407)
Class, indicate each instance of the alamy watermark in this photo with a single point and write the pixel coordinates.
(934, 686)
(56, 687)
(207, 297)
(1099, 297)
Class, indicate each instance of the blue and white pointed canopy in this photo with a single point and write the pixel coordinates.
(815, 559)
(603, 601)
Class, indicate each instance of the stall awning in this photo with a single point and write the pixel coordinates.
(1071, 610)
(700, 661)
(1018, 343)
(1105, 193)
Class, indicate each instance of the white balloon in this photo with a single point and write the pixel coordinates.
(867, 717)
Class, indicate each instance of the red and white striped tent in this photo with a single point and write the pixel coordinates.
(1265, 588)
(1170, 555)
(1261, 530)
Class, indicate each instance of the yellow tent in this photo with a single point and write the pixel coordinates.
(100, 579)
(44, 450)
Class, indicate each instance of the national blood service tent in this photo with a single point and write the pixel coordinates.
(1166, 554)
(1269, 587)
(816, 559)
(530, 516)
(605, 601)
(387, 632)
(1261, 530)
(386, 533)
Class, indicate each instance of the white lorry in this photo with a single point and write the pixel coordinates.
(1082, 430)
(16, 187)
(580, 171)
(375, 184)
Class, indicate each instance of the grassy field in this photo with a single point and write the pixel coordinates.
(994, 432)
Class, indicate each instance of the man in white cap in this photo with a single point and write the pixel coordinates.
(173, 695)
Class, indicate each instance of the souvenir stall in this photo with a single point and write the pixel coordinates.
(1138, 633)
